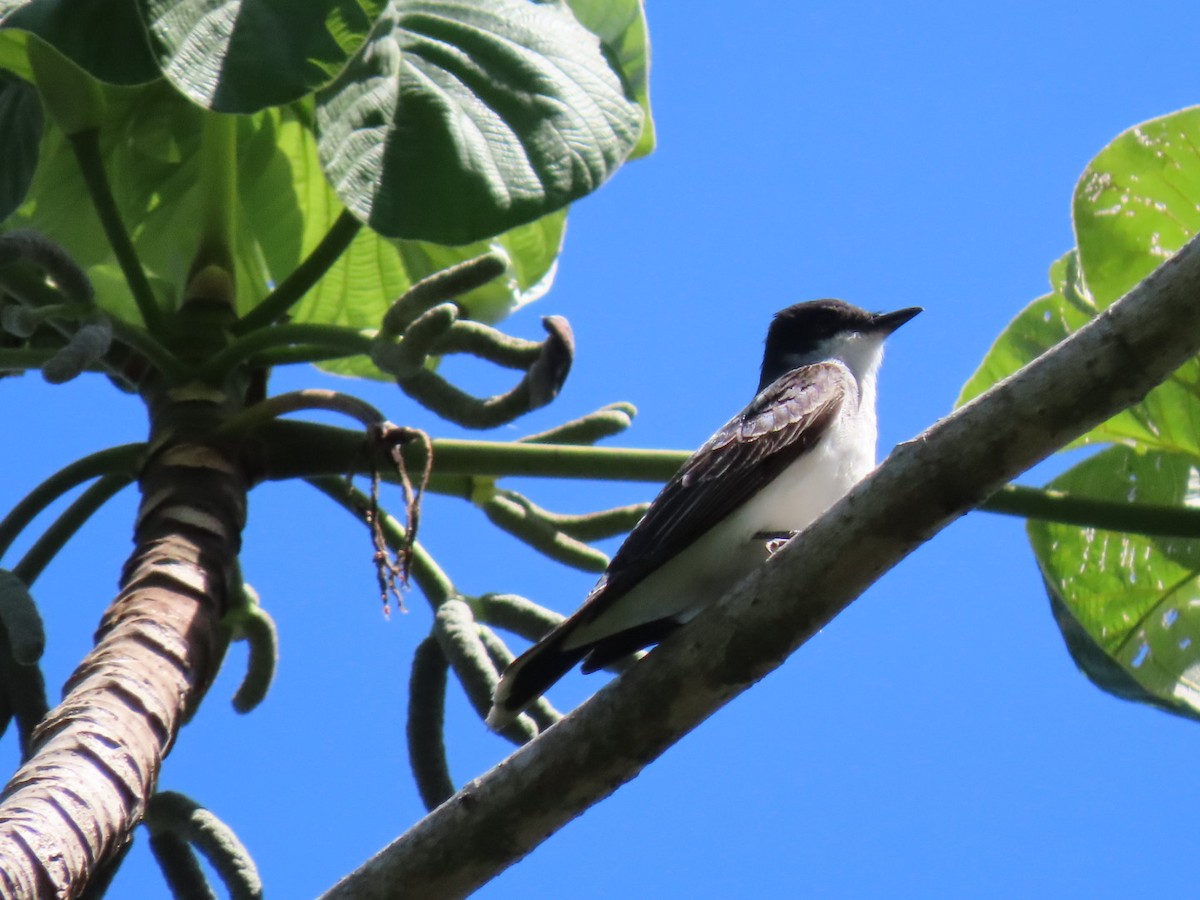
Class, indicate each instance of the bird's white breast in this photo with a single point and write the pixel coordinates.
(818, 478)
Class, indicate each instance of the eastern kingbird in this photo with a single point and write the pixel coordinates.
(806, 438)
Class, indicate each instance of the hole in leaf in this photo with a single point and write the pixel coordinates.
(1143, 653)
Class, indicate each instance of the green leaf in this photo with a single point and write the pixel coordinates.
(106, 38)
(290, 206)
(621, 27)
(1101, 669)
(150, 141)
(12, 53)
(1137, 202)
(1128, 605)
(73, 99)
(375, 271)
(150, 144)
(20, 133)
(246, 55)
(459, 120)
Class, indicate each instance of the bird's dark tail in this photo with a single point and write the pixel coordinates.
(537, 669)
(531, 674)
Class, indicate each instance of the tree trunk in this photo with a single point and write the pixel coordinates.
(95, 758)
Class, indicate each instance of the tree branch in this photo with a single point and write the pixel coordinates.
(1091, 512)
(337, 340)
(923, 486)
(122, 459)
(86, 146)
(304, 277)
(292, 449)
(54, 538)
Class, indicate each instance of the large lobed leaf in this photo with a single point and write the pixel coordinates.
(460, 118)
(447, 121)
(247, 55)
(444, 120)
(621, 27)
(151, 140)
(1127, 604)
(457, 175)
(289, 206)
(105, 37)
(1135, 205)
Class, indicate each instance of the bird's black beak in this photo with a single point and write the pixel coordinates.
(889, 322)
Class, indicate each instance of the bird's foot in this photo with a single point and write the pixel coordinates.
(774, 539)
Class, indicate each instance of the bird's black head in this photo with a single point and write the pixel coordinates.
(806, 332)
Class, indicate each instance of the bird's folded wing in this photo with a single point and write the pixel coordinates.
(751, 450)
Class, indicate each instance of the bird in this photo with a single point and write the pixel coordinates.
(806, 438)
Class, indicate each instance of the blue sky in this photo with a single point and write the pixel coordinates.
(935, 740)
